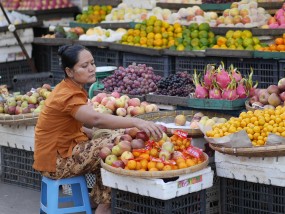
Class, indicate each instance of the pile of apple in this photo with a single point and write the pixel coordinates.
(199, 117)
(32, 101)
(123, 105)
(44, 4)
(243, 14)
(271, 97)
(134, 150)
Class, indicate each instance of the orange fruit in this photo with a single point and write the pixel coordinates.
(182, 165)
(190, 162)
(151, 165)
(144, 164)
(159, 165)
(136, 154)
(139, 166)
(144, 156)
(153, 169)
(279, 41)
(132, 164)
(167, 168)
(153, 152)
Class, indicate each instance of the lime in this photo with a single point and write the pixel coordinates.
(204, 26)
(194, 34)
(204, 42)
(193, 26)
(195, 43)
(203, 34)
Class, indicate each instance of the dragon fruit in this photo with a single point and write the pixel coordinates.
(200, 91)
(209, 76)
(222, 77)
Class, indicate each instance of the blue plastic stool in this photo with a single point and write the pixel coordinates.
(51, 198)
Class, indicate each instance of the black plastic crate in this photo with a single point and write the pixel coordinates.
(16, 168)
(251, 198)
(42, 57)
(106, 57)
(213, 203)
(162, 65)
(126, 202)
(265, 71)
(189, 64)
(281, 69)
(9, 69)
(24, 82)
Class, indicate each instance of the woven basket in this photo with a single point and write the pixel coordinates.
(261, 151)
(157, 174)
(168, 117)
(29, 119)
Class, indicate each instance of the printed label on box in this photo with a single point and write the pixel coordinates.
(189, 181)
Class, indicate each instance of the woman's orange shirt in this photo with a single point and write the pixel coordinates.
(57, 131)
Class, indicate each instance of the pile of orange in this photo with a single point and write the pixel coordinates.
(143, 162)
(179, 142)
(152, 33)
(278, 45)
(257, 124)
(238, 40)
(94, 14)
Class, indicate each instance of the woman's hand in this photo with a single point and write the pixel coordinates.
(150, 128)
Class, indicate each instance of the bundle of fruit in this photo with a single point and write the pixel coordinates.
(238, 40)
(119, 105)
(152, 33)
(179, 84)
(135, 151)
(94, 14)
(277, 45)
(194, 37)
(133, 80)
(258, 125)
(243, 14)
(61, 32)
(223, 84)
(32, 101)
(278, 21)
(271, 97)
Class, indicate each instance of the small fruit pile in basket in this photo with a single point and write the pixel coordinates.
(134, 150)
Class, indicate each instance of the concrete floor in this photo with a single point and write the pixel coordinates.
(18, 200)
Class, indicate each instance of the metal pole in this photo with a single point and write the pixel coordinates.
(12, 29)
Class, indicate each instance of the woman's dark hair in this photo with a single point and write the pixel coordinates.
(68, 55)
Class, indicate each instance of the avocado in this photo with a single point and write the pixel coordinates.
(59, 29)
(59, 35)
(71, 35)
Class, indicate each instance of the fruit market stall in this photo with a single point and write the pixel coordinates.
(220, 67)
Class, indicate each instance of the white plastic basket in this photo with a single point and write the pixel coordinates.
(21, 137)
(263, 170)
(158, 188)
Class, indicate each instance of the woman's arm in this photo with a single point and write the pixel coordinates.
(88, 132)
(89, 117)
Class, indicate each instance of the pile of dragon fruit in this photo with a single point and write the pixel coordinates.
(219, 83)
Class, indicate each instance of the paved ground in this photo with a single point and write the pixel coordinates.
(18, 200)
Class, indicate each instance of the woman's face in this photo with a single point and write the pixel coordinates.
(84, 71)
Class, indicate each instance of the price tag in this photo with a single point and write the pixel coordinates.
(181, 134)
